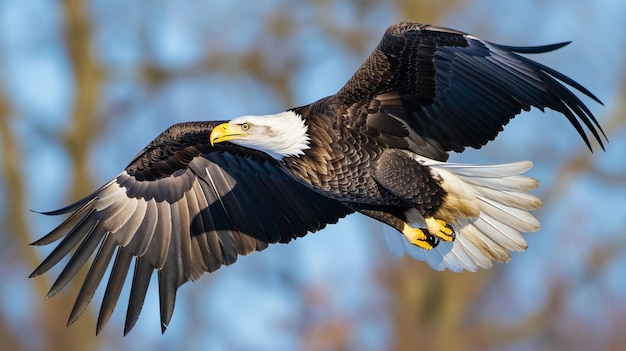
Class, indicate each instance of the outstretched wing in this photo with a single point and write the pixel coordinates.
(182, 207)
(435, 90)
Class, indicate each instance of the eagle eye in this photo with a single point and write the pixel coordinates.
(245, 126)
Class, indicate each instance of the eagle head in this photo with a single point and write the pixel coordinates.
(281, 135)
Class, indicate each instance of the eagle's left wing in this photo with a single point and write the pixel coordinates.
(438, 90)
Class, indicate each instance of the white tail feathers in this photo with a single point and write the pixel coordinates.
(498, 193)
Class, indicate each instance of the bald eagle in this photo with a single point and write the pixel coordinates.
(202, 193)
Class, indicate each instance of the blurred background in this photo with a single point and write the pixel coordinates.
(85, 85)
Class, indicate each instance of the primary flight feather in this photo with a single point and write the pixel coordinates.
(202, 193)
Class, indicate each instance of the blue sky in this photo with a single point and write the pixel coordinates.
(253, 304)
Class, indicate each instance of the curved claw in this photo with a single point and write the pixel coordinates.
(440, 229)
(432, 240)
(420, 237)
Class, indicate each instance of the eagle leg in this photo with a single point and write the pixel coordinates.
(420, 237)
(440, 229)
(425, 238)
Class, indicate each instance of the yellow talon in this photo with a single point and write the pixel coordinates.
(440, 229)
(420, 237)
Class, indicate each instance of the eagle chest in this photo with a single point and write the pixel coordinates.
(337, 166)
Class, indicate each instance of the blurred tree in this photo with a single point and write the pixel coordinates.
(13, 220)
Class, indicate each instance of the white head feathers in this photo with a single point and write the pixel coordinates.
(281, 135)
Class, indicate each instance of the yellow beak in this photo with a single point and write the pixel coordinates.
(225, 132)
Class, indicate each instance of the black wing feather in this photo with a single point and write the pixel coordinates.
(93, 278)
(138, 291)
(112, 292)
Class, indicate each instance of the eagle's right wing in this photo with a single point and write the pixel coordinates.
(182, 207)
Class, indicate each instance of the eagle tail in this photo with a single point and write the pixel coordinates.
(498, 196)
